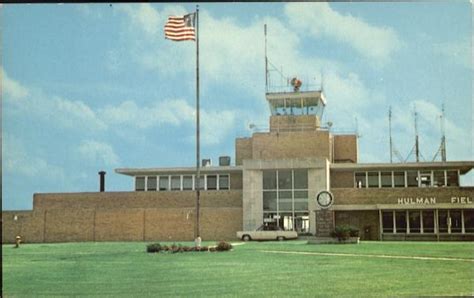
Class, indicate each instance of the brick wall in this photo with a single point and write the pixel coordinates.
(344, 196)
(243, 150)
(324, 222)
(125, 216)
(366, 221)
(279, 123)
(345, 148)
(291, 145)
(236, 181)
(342, 179)
(136, 199)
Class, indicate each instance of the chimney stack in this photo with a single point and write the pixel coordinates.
(102, 180)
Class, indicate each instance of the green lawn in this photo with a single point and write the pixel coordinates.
(125, 269)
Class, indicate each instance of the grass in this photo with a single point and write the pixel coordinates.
(125, 269)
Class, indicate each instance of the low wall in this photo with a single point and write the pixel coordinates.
(125, 216)
(140, 224)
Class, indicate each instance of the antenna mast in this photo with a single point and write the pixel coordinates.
(415, 148)
(390, 132)
(442, 147)
(266, 59)
(417, 145)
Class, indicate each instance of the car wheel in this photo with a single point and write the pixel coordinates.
(246, 238)
(280, 238)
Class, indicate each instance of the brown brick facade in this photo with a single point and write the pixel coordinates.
(125, 216)
(372, 196)
(366, 221)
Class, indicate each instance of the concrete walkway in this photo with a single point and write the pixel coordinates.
(367, 256)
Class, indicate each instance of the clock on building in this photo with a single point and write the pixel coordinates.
(324, 199)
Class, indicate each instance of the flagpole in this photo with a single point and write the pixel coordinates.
(198, 170)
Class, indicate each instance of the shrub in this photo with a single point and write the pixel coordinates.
(344, 232)
(223, 246)
(154, 247)
(354, 232)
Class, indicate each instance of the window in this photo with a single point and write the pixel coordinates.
(284, 201)
(301, 179)
(452, 178)
(387, 221)
(456, 221)
(187, 182)
(443, 221)
(360, 180)
(151, 183)
(285, 180)
(164, 183)
(270, 201)
(428, 221)
(401, 221)
(175, 182)
(285, 192)
(399, 179)
(211, 182)
(438, 178)
(201, 181)
(223, 181)
(373, 179)
(412, 178)
(139, 183)
(425, 178)
(414, 218)
(301, 200)
(386, 178)
(469, 221)
(269, 180)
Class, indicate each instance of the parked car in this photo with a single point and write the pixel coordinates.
(267, 233)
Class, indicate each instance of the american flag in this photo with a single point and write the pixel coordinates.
(180, 28)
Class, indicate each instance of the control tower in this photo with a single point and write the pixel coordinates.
(296, 110)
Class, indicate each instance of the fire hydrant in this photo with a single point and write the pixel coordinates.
(197, 242)
(17, 241)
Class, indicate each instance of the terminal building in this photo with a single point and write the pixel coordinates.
(297, 176)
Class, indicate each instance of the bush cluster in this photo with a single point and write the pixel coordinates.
(223, 246)
(344, 232)
(174, 248)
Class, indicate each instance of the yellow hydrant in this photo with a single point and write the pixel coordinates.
(17, 241)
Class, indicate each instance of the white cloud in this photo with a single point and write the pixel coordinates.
(17, 160)
(215, 123)
(320, 20)
(100, 152)
(144, 16)
(11, 88)
(63, 112)
(459, 52)
(173, 112)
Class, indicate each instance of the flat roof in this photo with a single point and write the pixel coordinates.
(294, 99)
(179, 170)
(463, 166)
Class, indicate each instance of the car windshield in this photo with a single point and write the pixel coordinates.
(269, 227)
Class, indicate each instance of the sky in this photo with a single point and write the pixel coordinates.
(90, 87)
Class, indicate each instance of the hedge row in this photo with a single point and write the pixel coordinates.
(157, 247)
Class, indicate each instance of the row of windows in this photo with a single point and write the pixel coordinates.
(437, 178)
(181, 182)
(285, 190)
(285, 179)
(428, 221)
